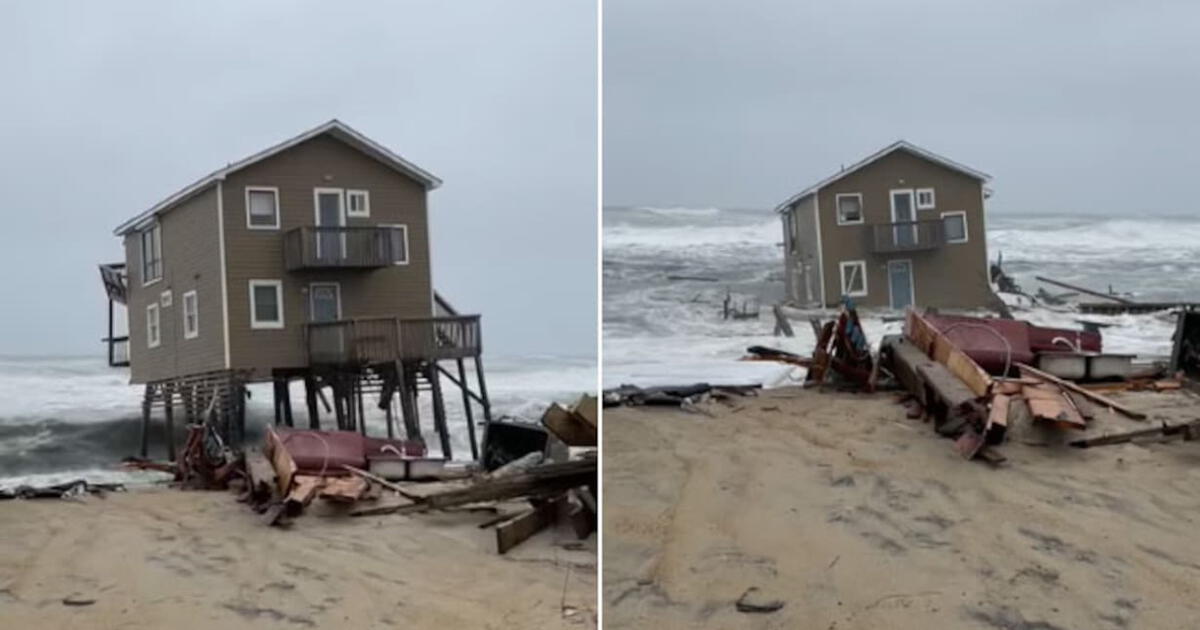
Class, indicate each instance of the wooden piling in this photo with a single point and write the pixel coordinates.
(310, 400)
(466, 396)
(168, 396)
(286, 400)
(146, 401)
(439, 408)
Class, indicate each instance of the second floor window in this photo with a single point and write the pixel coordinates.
(191, 316)
(152, 267)
(153, 331)
(358, 203)
(849, 209)
(398, 243)
(262, 208)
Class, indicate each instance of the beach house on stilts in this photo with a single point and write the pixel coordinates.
(308, 262)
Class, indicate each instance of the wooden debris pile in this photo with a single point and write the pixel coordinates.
(841, 355)
(968, 404)
(67, 490)
(555, 476)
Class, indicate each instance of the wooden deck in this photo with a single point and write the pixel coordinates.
(385, 339)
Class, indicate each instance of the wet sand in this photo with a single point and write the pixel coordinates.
(174, 559)
(856, 517)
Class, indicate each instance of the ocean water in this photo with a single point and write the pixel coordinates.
(65, 418)
(658, 330)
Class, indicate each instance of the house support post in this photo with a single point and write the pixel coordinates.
(278, 401)
(466, 396)
(168, 396)
(146, 402)
(439, 408)
(408, 400)
(286, 400)
(358, 400)
(310, 400)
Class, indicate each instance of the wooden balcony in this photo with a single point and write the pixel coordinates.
(313, 247)
(909, 236)
(384, 339)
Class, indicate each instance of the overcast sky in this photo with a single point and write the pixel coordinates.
(1073, 107)
(106, 108)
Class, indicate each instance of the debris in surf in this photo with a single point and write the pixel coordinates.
(67, 490)
(674, 395)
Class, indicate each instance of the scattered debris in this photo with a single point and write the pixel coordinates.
(674, 395)
(752, 601)
(68, 490)
(730, 310)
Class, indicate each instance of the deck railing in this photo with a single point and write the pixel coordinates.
(316, 247)
(906, 236)
(383, 339)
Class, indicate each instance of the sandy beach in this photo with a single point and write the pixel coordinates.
(854, 516)
(172, 559)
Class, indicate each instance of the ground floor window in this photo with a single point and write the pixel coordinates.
(153, 330)
(266, 304)
(191, 316)
(854, 278)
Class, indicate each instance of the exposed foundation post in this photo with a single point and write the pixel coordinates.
(335, 386)
(408, 400)
(466, 396)
(358, 397)
(278, 402)
(146, 402)
(310, 400)
(439, 408)
(391, 418)
(168, 396)
(286, 400)
(487, 403)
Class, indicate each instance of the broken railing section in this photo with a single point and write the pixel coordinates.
(941, 362)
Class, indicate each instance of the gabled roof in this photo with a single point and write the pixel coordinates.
(899, 145)
(335, 127)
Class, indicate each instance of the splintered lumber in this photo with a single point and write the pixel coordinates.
(937, 346)
(541, 481)
(520, 528)
(344, 489)
(1103, 401)
(947, 398)
(569, 426)
(1047, 402)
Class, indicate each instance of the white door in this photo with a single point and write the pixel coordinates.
(904, 212)
(330, 213)
(900, 283)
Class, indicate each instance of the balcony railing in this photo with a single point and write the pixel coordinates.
(908, 236)
(314, 247)
(383, 339)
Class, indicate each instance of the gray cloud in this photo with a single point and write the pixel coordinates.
(1078, 107)
(109, 107)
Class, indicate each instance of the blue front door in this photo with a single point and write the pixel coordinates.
(900, 283)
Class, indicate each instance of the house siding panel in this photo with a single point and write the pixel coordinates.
(322, 162)
(951, 276)
(801, 254)
(190, 262)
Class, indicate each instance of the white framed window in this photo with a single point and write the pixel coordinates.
(262, 207)
(191, 315)
(153, 329)
(166, 298)
(397, 243)
(854, 277)
(152, 266)
(849, 208)
(954, 226)
(925, 199)
(266, 304)
(358, 203)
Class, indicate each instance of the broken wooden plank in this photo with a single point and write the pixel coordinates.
(1047, 402)
(541, 481)
(381, 481)
(1188, 430)
(520, 528)
(569, 426)
(1092, 396)
(343, 489)
(941, 349)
